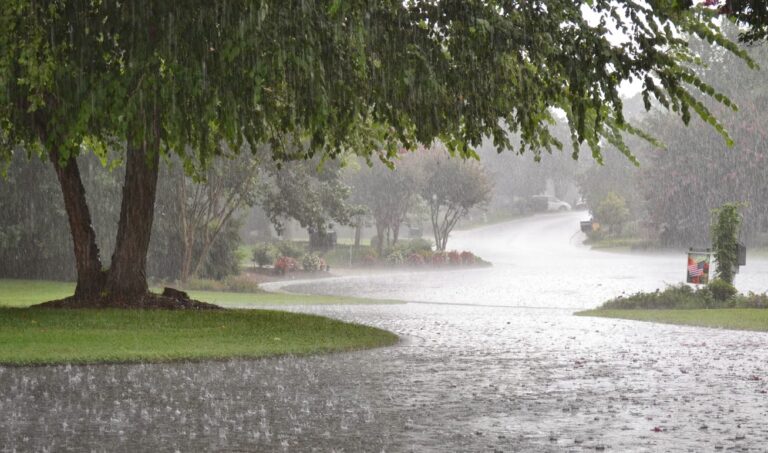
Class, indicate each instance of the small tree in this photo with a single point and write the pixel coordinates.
(725, 233)
(263, 254)
(451, 188)
(612, 211)
(389, 194)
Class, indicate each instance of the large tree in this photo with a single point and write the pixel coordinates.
(155, 77)
(696, 173)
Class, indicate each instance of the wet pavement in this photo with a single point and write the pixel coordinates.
(491, 360)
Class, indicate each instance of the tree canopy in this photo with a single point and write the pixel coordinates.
(337, 74)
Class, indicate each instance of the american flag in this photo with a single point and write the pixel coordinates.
(696, 269)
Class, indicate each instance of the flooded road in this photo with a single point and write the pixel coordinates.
(537, 262)
(490, 360)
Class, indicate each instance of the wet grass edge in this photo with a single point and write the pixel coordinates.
(37, 337)
(751, 319)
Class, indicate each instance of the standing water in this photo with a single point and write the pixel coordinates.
(490, 360)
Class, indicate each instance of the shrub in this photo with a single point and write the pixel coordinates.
(289, 249)
(241, 284)
(223, 258)
(673, 297)
(263, 254)
(370, 259)
(285, 264)
(751, 300)
(395, 257)
(418, 245)
(204, 284)
(439, 258)
(312, 263)
(468, 258)
(613, 212)
(234, 283)
(454, 258)
(415, 259)
(721, 289)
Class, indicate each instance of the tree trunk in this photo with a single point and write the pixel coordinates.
(358, 230)
(379, 238)
(90, 277)
(128, 276)
(395, 233)
(187, 238)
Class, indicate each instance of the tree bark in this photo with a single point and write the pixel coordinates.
(128, 274)
(358, 230)
(379, 238)
(187, 238)
(395, 233)
(90, 276)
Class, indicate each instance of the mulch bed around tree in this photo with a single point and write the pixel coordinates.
(171, 299)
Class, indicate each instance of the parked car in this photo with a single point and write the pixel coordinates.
(541, 203)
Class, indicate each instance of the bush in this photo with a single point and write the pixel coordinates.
(223, 257)
(395, 257)
(674, 297)
(721, 289)
(312, 263)
(751, 300)
(415, 259)
(468, 258)
(370, 259)
(681, 296)
(285, 264)
(439, 258)
(613, 212)
(263, 254)
(419, 245)
(236, 284)
(241, 284)
(718, 294)
(454, 258)
(289, 249)
(204, 284)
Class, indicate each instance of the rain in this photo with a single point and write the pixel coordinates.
(335, 175)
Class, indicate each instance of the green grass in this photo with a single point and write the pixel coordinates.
(32, 336)
(724, 318)
(244, 299)
(23, 293)
(40, 336)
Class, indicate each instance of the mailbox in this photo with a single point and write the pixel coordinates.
(741, 252)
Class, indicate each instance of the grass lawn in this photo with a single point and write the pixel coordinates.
(724, 318)
(30, 336)
(23, 293)
(42, 336)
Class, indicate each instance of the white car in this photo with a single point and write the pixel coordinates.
(551, 203)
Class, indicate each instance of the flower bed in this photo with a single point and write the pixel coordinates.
(426, 259)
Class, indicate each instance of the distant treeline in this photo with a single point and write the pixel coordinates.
(671, 195)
